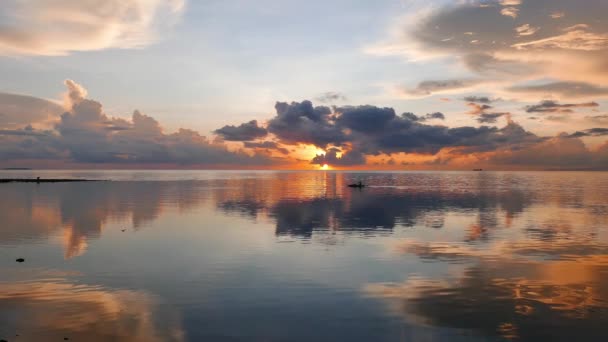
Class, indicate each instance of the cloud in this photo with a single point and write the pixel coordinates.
(358, 132)
(331, 158)
(17, 111)
(599, 119)
(331, 97)
(302, 123)
(244, 132)
(562, 90)
(432, 116)
(266, 145)
(555, 107)
(62, 26)
(510, 2)
(366, 118)
(490, 117)
(591, 132)
(477, 109)
(427, 88)
(479, 99)
(426, 117)
(86, 134)
(349, 135)
(507, 44)
(480, 111)
(558, 152)
(580, 39)
(526, 30)
(512, 12)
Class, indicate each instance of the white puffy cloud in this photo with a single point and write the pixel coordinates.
(58, 27)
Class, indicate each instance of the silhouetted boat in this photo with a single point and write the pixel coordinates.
(477, 169)
(356, 185)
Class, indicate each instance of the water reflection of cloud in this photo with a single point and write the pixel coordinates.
(552, 301)
(514, 289)
(53, 310)
(82, 210)
(374, 212)
(300, 204)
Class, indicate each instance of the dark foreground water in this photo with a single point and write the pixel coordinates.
(298, 256)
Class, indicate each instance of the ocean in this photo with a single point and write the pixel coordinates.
(300, 256)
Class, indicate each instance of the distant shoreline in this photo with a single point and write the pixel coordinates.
(33, 180)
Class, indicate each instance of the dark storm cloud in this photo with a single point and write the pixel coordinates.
(365, 118)
(405, 135)
(302, 123)
(378, 130)
(86, 134)
(244, 132)
(360, 131)
(555, 107)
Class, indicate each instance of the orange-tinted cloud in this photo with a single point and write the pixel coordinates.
(62, 26)
(504, 43)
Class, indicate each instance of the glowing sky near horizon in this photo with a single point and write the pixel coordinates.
(197, 73)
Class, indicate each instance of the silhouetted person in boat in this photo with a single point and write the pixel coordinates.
(356, 185)
(37, 179)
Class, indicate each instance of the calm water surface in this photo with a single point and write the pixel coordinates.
(298, 256)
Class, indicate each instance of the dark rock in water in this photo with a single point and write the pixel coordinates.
(19, 260)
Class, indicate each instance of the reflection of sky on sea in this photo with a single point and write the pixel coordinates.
(299, 256)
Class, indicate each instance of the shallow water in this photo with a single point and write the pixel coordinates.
(298, 256)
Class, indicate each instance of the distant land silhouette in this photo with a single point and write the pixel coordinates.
(38, 180)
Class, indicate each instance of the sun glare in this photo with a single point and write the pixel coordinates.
(325, 167)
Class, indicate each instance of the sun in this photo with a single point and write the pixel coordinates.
(325, 167)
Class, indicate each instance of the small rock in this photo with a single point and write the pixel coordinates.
(122, 230)
(65, 338)
(19, 260)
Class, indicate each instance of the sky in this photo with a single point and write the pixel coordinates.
(268, 84)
